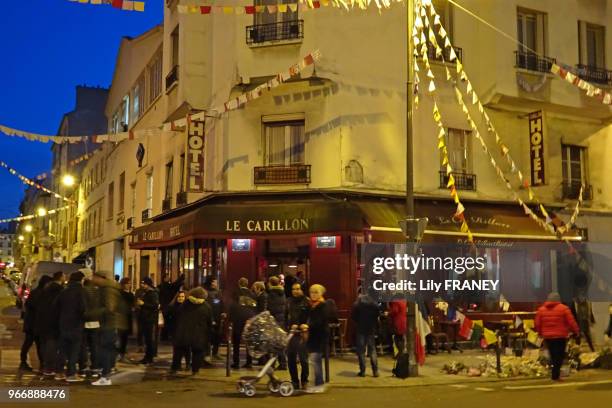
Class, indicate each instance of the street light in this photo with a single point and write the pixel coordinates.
(28, 228)
(68, 180)
(41, 212)
(20, 238)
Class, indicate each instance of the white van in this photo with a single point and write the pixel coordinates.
(32, 273)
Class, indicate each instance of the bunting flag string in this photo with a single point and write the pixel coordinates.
(505, 151)
(231, 104)
(437, 117)
(32, 183)
(127, 5)
(32, 216)
(302, 5)
(590, 89)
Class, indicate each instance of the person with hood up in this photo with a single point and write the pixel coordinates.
(71, 310)
(243, 308)
(215, 301)
(192, 330)
(365, 314)
(29, 319)
(297, 317)
(554, 322)
(277, 306)
(318, 336)
(46, 325)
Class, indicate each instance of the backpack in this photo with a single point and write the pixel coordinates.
(401, 369)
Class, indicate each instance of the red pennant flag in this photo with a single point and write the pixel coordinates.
(205, 9)
(308, 60)
(94, 139)
(118, 3)
(316, 4)
(131, 135)
(249, 9)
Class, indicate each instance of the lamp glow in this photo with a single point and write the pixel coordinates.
(68, 180)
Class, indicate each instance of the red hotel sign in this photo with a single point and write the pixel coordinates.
(536, 148)
(194, 157)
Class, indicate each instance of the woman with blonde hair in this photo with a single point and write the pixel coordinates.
(318, 335)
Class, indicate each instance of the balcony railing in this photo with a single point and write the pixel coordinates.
(296, 174)
(285, 30)
(172, 77)
(463, 181)
(181, 198)
(571, 191)
(167, 204)
(130, 223)
(533, 62)
(431, 54)
(146, 214)
(594, 74)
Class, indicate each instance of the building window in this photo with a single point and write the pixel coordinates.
(121, 192)
(125, 113)
(531, 31)
(271, 18)
(138, 101)
(591, 44)
(175, 47)
(182, 173)
(444, 10)
(459, 149)
(275, 26)
(574, 165)
(155, 77)
(169, 175)
(149, 191)
(133, 202)
(111, 198)
(284, 143)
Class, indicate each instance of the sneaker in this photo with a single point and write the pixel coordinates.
(74, 378)
(48, 373)
(25, 367)
(317, 389)
(304, 385)
(103, 381)
(60, 377)
(361, 374)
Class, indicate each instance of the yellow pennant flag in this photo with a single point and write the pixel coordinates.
(464, 227)
(489, 336)
(293, 7)
(282, 8)
(451, 181)
(139, 6)
(228, 10)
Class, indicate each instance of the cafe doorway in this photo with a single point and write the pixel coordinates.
(283, 257)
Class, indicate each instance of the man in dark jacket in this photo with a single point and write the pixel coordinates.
(29, 321)
(111, 320)
(297, 316)
(71, 309)
(243, 308)
(167, 292)
(365, 315)
(554, 322)
(46, 324)
(192, 330)
(149, 313)
(88, 359)
(318, 335)
(127, 308)
(277, 306)
(215, 302)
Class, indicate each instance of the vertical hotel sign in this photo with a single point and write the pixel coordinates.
(536, 148)
(194, 156)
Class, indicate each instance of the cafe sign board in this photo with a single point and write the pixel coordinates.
(194, 156)
(536, 148)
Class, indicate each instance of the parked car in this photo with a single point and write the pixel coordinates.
(32, 274)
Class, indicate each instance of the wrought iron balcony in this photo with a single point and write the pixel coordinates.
(463, 181)
(571, 191)
(130, 223)
(167, 204)
(285, 30)
(533, 62)
(431, 54)
(172, 77)
(181, 198)
(146, 214)
(296, 174)
(594, 74)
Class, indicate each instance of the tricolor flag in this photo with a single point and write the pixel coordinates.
(422, 330)
(467, 326)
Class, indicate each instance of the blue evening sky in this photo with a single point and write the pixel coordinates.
(48, 47)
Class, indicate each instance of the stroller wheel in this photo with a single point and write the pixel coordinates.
(273, 386)
(240, 388)
(286, 389)
(249, 390)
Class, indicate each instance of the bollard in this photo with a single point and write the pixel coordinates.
(228, 366)
(326, 357)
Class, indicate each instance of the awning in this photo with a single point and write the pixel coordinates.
(486, 221)
(250, 220)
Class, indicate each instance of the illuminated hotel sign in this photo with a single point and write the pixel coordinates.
(536, 148)
(194, 158)
(278, 225)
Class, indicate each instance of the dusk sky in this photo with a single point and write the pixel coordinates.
(49, 47)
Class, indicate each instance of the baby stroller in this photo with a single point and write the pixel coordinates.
(262, 336)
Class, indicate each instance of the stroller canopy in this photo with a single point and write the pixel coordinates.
(263, 335)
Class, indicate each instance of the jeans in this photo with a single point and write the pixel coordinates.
(178, 353)
(89, 355)
(50, 352)
(236, 338)
(147, 331)
(106, 350)
(556, 348)
(316, 361)
(297, 352)
(70, 348)
(123, 340)
(366, 343)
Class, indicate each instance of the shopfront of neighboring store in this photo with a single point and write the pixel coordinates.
(316, 237)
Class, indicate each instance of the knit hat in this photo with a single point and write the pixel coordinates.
(198, 293)
(148, 281)
(553, 297)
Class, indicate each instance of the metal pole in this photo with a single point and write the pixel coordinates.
(228, 367)
(414, 368)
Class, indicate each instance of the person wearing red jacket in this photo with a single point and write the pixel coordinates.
(397, 313)
(554, 322)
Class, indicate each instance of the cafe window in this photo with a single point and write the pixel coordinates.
(169, 175)
(284, 143)
(111, 199)
(574, 160)
(531, 31)
(591, 44)
(459, 147)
